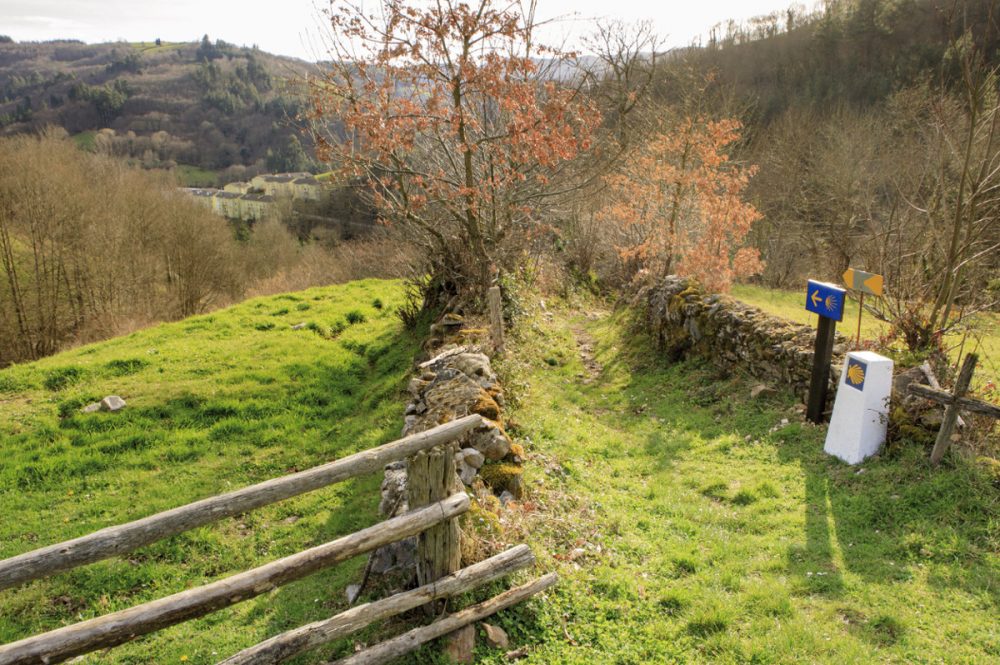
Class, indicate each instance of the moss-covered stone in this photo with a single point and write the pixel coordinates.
(731, 334)
(503, 477)
(479, 526)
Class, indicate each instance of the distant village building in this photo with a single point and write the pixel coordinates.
(296, 186)
(255, 206)
(249, 207)
(251, 201)
(238, 187)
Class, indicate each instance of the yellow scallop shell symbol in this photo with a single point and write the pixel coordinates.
(855, 374)
(831, 303)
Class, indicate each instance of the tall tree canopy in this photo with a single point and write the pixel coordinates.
(460, 123)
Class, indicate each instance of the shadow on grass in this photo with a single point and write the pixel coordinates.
(883, 523)
(894, 514)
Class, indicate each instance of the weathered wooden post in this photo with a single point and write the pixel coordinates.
(951, 413)
(496, 318)
(431, 478)
(954, 402)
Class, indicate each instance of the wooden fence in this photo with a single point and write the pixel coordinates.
(432, 518)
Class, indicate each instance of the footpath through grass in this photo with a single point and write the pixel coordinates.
(687, 529)
(215, 403)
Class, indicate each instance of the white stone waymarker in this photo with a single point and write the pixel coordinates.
(861, 410)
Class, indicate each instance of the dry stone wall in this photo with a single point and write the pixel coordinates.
(688, 322)
(457, 382)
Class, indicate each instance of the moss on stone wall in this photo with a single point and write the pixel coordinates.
(733, 335)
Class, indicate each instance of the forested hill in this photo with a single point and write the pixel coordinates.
(846, 53)
(851, 114)
(206, 104)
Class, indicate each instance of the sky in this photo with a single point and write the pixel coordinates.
(293, 27)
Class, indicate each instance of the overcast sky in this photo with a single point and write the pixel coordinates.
(290, 27)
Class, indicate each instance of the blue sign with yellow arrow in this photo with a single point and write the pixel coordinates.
(825, 299)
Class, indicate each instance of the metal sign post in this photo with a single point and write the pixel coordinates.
(826, 300)
(865, 282)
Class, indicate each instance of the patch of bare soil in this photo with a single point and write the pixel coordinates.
(585, 347)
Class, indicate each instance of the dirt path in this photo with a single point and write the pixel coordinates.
(585, 347)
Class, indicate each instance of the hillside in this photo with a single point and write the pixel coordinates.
(215, 402)
(688, 520)
(847, 54)
(206, 105)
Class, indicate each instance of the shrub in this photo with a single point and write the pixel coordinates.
(355, 316)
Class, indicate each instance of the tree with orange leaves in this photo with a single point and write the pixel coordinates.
(459, 123)
(676, 206)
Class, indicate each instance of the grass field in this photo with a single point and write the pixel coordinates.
(687, 523)
(215, 402)
(194, 176)
(687, 530)
(983, 330)
(85, 140)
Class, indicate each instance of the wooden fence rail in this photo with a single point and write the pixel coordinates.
(124, 538)
(432, 518)
(286, 645)
(412, 640)
(113, 629)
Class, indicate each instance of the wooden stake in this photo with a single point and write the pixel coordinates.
(820, 379)
(496, 318)
(951, 413)
(861, 309)
(430, 476)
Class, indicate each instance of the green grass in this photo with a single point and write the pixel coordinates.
(194, 176)
(215, 403)
(85, 140)
(983, 330)
(685, 531)
(151, 47)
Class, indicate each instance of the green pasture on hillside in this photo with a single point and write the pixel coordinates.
(194, 176)
(688, 522)
(215, 402)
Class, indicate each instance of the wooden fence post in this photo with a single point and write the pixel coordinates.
(496, 318)
(430, 477)
(951, 413)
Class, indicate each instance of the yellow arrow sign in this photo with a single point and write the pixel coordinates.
(873, 284)
(815, 298)
(866, 282)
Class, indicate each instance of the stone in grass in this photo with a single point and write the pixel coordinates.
(299, 326)
(473, 457)
(460, 645)
(94, 407)
(352, 591)
(112, 403)
(496, 637)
